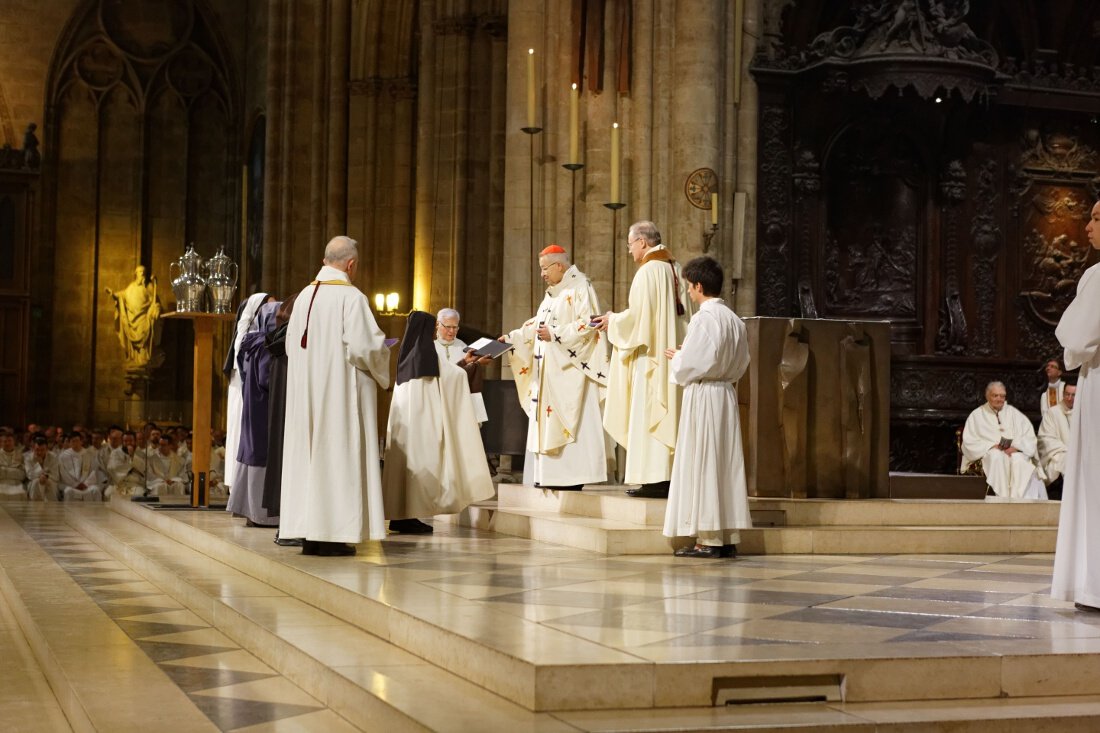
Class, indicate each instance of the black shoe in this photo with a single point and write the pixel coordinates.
(326, 549)
(658, 490)
(250, 523)
(1083, 607)
(574, 487)
(335, 549)
(729, 551)
(711, 551)
(410, 526)
(286, 543)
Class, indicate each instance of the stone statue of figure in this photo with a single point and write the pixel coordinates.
(136, 312)
(31, 157)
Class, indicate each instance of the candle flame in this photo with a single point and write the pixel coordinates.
(531, 51)
(574, 87)
(615, 124)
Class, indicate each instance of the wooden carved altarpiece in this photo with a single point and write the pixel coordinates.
(930, 164)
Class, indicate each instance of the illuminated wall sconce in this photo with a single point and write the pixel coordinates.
(387, 304)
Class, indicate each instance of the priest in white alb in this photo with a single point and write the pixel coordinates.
(337, 359)
(1001, 438)
(435, 461)
(12, 472)
(1054, 436)
(642, 410)
(560, 365)
(79, 476)
(1076, 570)
(1054, 389)
(708, 495)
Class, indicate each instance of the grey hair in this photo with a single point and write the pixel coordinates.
(993, 384)
(560, 258)
(447, 313)
(341, 249)
(646, 230)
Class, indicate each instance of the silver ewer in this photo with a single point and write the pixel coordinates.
(188, 284)
(221, 280)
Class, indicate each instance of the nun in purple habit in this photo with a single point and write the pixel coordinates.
(254, 365)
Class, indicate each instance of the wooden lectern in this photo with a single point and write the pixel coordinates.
(200, 387)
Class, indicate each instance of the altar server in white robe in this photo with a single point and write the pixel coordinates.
(1076, 569)
(167, 476)
(43, 472)
(246, 321)
(708, 495)
(453, 350)
(12, 472)
(560, 366)
(336, 360)
(1002, 439)
(79, 476)
(435, 461)
(642, 410)
(1054, 433)
(1053, 391)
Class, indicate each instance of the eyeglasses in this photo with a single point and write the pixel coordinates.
(445, 327)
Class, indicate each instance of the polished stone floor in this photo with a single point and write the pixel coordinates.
(655, 609)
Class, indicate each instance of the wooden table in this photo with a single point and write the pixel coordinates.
(200, 387)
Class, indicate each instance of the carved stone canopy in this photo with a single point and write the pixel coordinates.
(897, 44)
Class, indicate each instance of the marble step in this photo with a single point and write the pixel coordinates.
(373, 684)
(613, 537)
(610, 502)
(543, 670)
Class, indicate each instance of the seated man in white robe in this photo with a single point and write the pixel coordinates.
(1003, 440)
(43, 472)
(166, 474)
(708, 494)
(103, 457)
(435, 460)
(560, 365)
(125, 467)
(12, 473)
(217, 467)
(79, 473)
(1054, 438)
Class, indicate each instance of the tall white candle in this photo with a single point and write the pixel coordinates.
(615, 164)
(530, 87)
(574, 125)
(714, 209)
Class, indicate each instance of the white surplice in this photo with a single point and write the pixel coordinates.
(331, 484)
(708, 492)
(79, 468)
(1053, 440)
(167, 476)
(234, 407)
(642, 410)
(1076, 569)
(12, 475)
(561, 383)
(1015, 476)
(42, 478)
(435, 461)
(122, 474)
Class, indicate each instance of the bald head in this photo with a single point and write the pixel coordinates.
(340, 252)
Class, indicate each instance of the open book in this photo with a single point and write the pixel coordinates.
(488, 347)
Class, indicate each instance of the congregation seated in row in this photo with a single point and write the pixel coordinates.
(50, 465)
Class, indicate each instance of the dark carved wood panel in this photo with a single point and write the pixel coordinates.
(935, 167)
